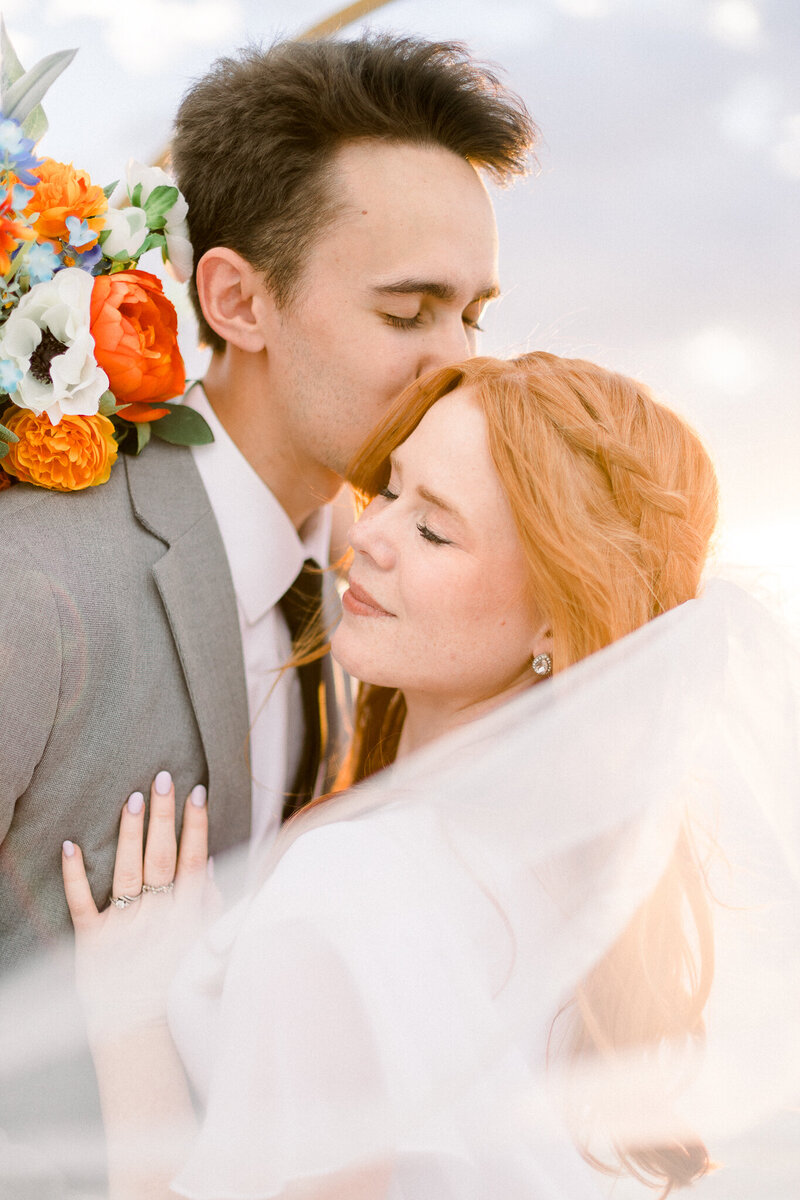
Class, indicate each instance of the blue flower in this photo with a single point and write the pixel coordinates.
(20, 195)
(16, 150)
(11, 140)
(41, 262)
(10, 376)
(89, 259)
(79, 232)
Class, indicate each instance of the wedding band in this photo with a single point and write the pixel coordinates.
(124, 901)
(163, 887)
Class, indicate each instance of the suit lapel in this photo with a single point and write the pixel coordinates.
(194, 581)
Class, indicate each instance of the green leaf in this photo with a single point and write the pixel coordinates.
(143, 431)
(109, 189)
(22, 98)
(131, 436)
(159, 202)
(6, 436)
(152, 239)
(136, 196)
(182, 427)
(108, 404)
(3, 449)
(11, 69)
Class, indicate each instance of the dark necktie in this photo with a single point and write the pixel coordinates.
(302, 609)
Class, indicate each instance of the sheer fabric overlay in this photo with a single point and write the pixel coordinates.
(388, 992)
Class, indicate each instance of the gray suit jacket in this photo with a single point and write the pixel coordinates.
(120, 655)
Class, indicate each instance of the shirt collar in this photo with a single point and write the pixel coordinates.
(265, 552)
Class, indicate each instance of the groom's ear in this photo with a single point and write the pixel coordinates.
(234, 298)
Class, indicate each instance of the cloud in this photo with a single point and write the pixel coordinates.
(146, 36)
(737, 23)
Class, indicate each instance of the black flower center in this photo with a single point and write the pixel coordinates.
(49, 348)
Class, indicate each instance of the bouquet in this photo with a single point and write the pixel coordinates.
(89, 353)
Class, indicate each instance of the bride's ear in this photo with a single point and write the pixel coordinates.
(234, 298)
(542, 641)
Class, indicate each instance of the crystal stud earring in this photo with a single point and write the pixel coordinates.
(542, 665)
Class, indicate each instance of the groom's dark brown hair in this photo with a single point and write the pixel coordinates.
(256, 137)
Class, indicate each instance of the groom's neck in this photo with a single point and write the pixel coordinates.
(238, 389)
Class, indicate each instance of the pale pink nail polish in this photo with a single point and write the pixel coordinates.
(68, 848)
(163, 782)
(198, 796)
(135, 803)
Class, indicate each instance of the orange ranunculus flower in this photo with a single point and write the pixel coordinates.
(5, 480)
(65, 191)
(77, 453)
(135, 331)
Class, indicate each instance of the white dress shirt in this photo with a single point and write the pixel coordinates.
(265, 554)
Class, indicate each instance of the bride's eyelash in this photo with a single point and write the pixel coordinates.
(430, 536)
(386, 493)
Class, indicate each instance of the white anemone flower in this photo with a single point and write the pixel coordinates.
(179, 248)
(47, 338)
(127, 229)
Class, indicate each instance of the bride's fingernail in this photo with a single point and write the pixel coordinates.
(198, 796)
(210, 868)
(163, 782)
(135, 803)
(68, 848)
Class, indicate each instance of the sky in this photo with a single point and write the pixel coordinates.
(658, 235)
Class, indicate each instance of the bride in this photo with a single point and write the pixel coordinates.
(411, 1002)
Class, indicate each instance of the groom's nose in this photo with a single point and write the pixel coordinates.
(450, 342)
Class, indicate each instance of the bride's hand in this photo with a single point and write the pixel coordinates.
(126, 954)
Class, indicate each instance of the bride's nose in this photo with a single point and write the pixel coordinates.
(370, 536)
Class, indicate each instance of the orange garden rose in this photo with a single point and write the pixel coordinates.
(65, 191)
(77, 453)
(135, 331)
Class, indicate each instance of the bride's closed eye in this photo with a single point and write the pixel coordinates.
(426, 532)
(430, 536)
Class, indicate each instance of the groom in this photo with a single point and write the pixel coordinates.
(344, 244)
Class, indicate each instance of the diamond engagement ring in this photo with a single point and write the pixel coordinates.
(163, 887)
(123, 901)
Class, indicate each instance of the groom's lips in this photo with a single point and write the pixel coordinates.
(357, 600)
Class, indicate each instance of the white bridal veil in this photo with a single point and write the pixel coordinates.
(561, 810)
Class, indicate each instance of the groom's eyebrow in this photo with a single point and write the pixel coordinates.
(430, 287)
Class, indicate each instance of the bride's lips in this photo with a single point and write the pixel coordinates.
(357, 600)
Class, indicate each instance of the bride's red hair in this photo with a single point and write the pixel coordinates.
(615, 502)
